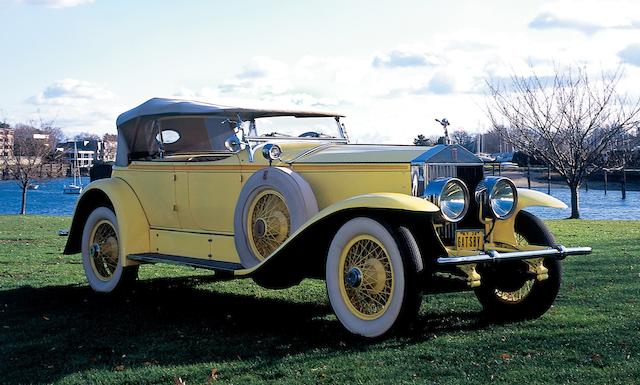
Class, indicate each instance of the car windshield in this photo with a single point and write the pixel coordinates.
(293, 127)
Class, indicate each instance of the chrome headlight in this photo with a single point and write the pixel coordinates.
(271, 152)
(498, 196)
(451, 195)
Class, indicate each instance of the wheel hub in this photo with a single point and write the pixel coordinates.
(268, 223)
(95, 250)
(260, 227)
(103, 250)
(353, 278)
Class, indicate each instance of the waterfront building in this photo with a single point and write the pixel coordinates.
(88, 152)
(6, 143)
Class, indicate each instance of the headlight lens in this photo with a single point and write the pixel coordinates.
(498, 195)
(271, 151)
(451, 195)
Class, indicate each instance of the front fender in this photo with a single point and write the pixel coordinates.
(305, 246)
(503, 230)
(528, 198)
(132, 221)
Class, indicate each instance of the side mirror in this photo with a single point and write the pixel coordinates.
(233, 144)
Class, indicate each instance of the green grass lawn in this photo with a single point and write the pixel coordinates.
(180, 323)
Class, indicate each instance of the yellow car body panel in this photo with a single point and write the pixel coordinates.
(194, 245)
(132, 220)
(335, 183)
(503, 230)
(528, 198)
(335, 174)
(389, 201)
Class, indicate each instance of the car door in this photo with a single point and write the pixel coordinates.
(154, 184)
(214, 186)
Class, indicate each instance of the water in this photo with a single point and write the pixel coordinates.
(594, 204)
(49, 200)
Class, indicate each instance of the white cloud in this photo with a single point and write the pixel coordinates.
(56, 3)
(70, 92)
(403, 58)
(631, 54)
(399, 98)
(588, 16)
(75, 105)
(262, 75)
(442, 83)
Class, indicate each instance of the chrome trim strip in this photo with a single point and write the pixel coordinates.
(495, 256)
(308, 152)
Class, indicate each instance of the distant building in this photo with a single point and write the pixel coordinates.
(86, 152)
(6, 142)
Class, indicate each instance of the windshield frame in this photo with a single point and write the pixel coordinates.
(251, 134)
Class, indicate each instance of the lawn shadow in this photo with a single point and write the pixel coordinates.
(48, 333)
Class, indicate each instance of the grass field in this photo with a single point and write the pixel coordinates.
(180, 323)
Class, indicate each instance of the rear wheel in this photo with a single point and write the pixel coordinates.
(508, 292)
(371, 277)
(101, 253)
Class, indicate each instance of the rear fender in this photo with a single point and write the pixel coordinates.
(303, 253)
(133, 226)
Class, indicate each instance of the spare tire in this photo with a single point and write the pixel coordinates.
(273, 203)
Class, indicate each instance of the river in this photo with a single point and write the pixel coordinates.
(48, 199)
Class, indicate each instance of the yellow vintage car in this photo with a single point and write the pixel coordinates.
(279, 196)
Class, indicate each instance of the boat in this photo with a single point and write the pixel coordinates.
(72, 189)
(76, 186)
(32, 186)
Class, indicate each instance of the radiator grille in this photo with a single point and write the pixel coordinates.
(471, 176)
(440, 171)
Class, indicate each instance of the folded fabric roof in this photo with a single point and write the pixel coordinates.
(161, 106)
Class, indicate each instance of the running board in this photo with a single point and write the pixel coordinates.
(558, 252)
(223, 268)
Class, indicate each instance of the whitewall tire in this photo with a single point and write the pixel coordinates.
(371, 277)
(101, 253)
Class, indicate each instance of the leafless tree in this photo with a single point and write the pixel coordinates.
(569, 120)
(422, 140)
(86, 136)
(32, 147)
(464, 138)
(110, 137)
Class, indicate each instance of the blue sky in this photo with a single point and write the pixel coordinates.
(391, 66)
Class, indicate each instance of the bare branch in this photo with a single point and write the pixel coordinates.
(572, 121)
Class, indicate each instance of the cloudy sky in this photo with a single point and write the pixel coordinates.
(391, 66)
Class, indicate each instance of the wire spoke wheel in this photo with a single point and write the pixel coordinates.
(518, 295)
(511, 291)
(269, 223)
(104, 250)
(367, 277)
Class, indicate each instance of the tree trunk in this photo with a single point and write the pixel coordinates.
(575, 201)
(23, 210)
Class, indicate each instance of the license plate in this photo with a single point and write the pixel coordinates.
(469, 240)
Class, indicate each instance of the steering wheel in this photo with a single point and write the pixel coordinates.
(310, 134)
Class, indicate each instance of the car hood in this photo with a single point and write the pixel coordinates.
(366, 153)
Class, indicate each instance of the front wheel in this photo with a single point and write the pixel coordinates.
(507, 292)
(371, 277)
(101, 253)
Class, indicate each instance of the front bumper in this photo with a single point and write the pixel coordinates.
(492, 256)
